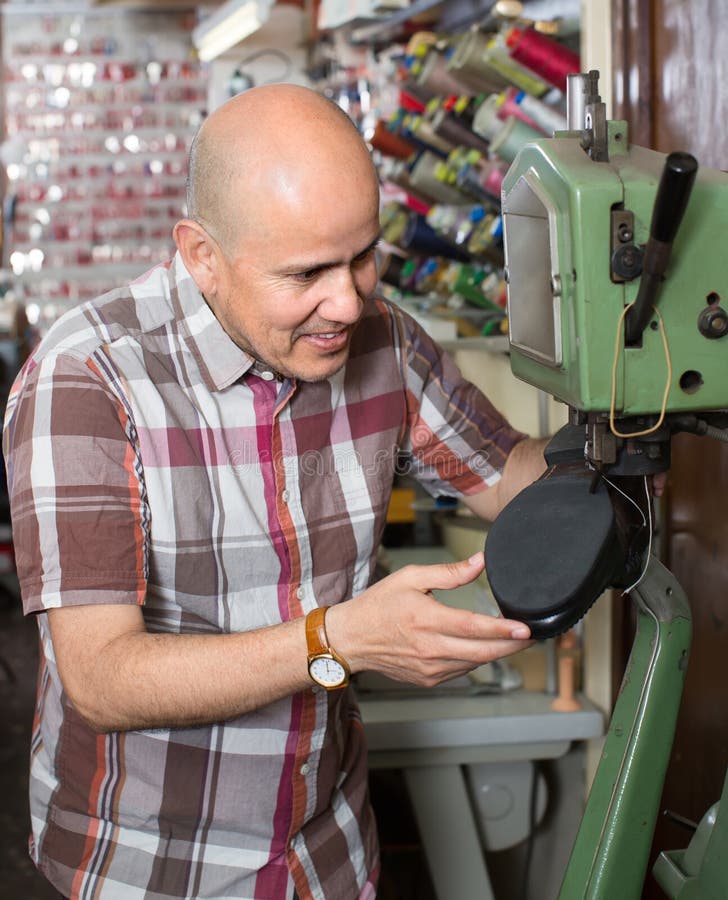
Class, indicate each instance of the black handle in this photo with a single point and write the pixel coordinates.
(673, 193)
(672, 196)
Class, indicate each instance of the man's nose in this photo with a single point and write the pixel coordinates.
(343, 301)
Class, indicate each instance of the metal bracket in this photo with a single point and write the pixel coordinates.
(625, 256)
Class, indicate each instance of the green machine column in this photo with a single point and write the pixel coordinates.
(611, 850)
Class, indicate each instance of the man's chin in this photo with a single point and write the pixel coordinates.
(321, 369)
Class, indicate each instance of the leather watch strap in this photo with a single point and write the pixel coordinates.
(316, 638)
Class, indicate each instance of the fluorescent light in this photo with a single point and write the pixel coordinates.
(228, 25)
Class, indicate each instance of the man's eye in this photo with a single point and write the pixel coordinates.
(308, 275)
(367, 254)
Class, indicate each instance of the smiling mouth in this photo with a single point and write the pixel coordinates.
(332, 339)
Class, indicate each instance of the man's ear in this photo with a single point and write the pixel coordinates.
(200, 254)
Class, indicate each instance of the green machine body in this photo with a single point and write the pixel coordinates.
(575, 234)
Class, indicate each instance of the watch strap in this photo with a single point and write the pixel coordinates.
(316, 638)
(317, 641)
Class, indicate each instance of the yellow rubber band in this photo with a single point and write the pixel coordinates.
(659, 422)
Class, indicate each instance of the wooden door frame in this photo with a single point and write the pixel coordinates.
(632, 69)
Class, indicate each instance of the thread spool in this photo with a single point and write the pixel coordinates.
(408, 274)
(423, 180)
(398, 174)
(419, 206)
(498, 58)
(405, 125)
(428, 274)
(468, 181)
(394, 219)
(424, 131)
(413, 97)
(484, 236)
(410, 102)
(468, 62)
(457, 132)
(546, 117)
(492, 180)
(419, 238)
(531, 111)
(465, 281)
(509, 107)
(390, 268)
(435, 77)
(420, 42)
(390, 144)
(463, 107)
(455, 223)
(543, 55)
(513, 135)
(486, 122)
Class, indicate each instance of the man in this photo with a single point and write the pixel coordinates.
(198, 463)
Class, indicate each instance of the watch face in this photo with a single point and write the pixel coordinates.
(327, 671)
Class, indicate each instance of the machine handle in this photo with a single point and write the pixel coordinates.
(673, 193)
(672, 196)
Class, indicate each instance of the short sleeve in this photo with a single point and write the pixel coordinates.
(457, 441)
(75, 488)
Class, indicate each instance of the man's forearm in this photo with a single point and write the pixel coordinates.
(141, 680)
(121, 678)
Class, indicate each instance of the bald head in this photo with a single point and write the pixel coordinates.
(277, 143)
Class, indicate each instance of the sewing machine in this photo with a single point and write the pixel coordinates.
(615, 269)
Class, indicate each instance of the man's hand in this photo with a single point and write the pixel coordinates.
(399, 629)
(524, 465)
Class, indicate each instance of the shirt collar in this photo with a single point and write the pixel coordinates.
(220, 360)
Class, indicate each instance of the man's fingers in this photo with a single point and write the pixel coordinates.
(481, 627)
(444, 576)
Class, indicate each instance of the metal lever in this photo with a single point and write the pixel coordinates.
(671, 199)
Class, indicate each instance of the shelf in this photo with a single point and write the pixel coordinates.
(116, 107)
(490, 344)
(99, 270)
(96, 157)
(132, 74)
(63, 131)
(58, 206)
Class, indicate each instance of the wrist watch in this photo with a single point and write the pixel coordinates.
(325, 666)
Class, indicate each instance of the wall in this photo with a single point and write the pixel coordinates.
(274, 53)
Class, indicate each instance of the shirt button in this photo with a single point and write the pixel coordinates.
(301, 593)
(285, 496)
(267, 376)
(305, 769)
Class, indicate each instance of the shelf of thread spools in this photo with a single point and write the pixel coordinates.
(467, 104)
(439, 264)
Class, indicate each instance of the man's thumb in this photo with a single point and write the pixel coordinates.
(451, 575)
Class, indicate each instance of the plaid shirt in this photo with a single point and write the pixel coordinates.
(153, 462)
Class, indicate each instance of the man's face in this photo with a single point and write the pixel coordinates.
(295, 286)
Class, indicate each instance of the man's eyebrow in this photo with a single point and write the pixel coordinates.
(312, 266)
(371, 245)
